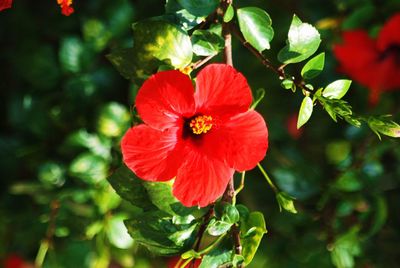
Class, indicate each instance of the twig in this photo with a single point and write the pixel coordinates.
(229, 194)
(47, 241)
(265, 61)
(201, 62)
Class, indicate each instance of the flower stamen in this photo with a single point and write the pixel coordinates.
(201, 124)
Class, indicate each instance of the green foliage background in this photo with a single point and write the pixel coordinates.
(64, 109)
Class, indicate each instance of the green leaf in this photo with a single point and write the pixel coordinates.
(305, 111)
(199, 8)
(89, 168)
(117, 232)
(218, 227)
(345, 248)
(259, 96)
(381, 125)
(230, 12)
(156, 42)
(231, 214)
(113, 120)
(303, 41)
(220, 255)
(289, 84)
(130, 188)
(181, 16)
(206, 43)
(337, 89)
(255, 24)
(70, 54)
(348, 182)
(160, 194)
(156, 231)
(285, 201)
(314, 66)
(250, 242)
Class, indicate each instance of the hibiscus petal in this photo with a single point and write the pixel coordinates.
(220, 88)
(201, 179)
(164, 98)
(152, 154)
(4, 4)
(245, 140)
(390, 33)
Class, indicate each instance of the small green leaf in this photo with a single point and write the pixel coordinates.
(220, 255)
(231, 214)
(303, 41)
(305, 111)
(314, 66)
(345, 248)
(337, 89)
(230, 12)
(113, 120)
(251, 242)
(199, 8)
(259, 96)
(381, 125)
(71, 51)
(255, 24)
(117, 232)
(348, 182)
(288, 84)
(285, 201)
(206, 43)
(89, 168)
(218, 227)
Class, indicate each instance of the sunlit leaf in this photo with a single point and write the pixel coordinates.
(314, 66)
(303, 41)
(199, 7)
(206, 43)
(305, 111)
(255, 24)
(250, 242)
(337, 89)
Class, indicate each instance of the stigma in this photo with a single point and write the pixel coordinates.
(201, 124)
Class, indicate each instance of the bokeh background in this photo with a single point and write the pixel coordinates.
(64, 109)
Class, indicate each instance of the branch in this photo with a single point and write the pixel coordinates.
(229, 194)
(265, 61)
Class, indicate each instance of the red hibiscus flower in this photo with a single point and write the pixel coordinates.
(4, 4)
(66, 8)
(374, 63)
(199, 137)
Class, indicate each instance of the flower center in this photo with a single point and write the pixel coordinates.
(201, 124)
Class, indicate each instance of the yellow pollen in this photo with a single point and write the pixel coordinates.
(201, 124)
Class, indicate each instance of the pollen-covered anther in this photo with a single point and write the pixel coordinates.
(201, 124)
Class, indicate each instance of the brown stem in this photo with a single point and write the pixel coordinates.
(226, 34)
(201, 62)
(229, 194)
(203, 227)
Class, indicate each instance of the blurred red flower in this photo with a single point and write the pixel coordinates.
(199, 137)
(291, 126)
(374, 63)
(4, 4)
(66, 8)
(15, 261)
